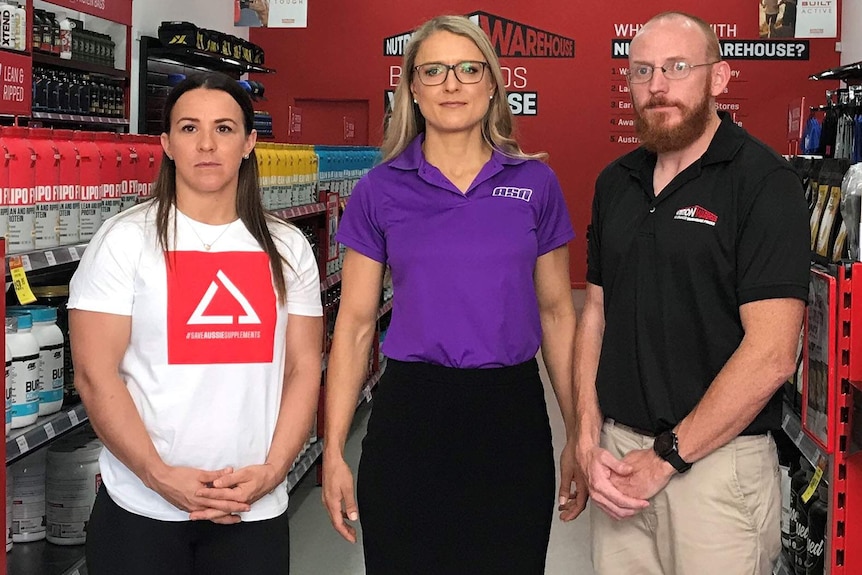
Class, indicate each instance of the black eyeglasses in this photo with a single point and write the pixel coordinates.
(642, 73)
(435, 73)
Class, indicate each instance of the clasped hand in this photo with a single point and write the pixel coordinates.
(217, 496)
(622, 488)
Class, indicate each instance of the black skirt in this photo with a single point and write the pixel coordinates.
(457, 472)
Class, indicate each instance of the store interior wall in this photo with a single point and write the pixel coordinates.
(148, 14)
(583, 117)
(320, 62)
(851, 31)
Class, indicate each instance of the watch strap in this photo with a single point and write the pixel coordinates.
(678, 462)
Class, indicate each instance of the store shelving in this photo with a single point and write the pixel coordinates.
(27, 439)
(304, 464)
(79, 65)
(44, 259)
(782, 566)
(848, 73)
(385, 308)
(297, 212)
(792, 426)
(330, 281)
(365, 394)
(43, 558)
(55, 117)
(195, 58)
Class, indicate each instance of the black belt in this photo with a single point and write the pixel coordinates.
(632, 428)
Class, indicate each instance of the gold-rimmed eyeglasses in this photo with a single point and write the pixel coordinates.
(642, 73)
(436, 73)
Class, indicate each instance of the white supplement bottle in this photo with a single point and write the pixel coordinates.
(72, 484)
(24, 371)
(66, 39)
(28, 498)
(21, 19)
(51, 358)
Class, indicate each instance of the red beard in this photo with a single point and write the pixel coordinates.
(658, 137)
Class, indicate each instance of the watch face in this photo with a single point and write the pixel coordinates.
(664, 443)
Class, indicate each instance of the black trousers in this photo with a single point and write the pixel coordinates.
(457, 472)
(123, 543)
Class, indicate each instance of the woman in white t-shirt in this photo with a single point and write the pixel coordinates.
(195, 323)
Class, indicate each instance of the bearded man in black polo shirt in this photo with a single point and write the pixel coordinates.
(697, 278)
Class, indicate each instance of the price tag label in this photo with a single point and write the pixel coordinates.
(812, 486)
(26, 264)
(73, 417)
(49, 430)
(49, 256)
(22, 444)
(19, 280)
(73, 252)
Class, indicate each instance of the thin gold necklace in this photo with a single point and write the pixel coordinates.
(207, 245)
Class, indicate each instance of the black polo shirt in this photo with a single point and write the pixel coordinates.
(732, 228)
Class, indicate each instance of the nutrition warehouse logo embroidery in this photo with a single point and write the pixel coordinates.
(696, 214)
(519, 193)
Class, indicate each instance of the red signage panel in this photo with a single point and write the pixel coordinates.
(113, 10)
(16, 83)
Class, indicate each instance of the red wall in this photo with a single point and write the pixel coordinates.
(341, 56)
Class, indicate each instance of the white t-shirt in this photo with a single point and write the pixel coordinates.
(205, 362)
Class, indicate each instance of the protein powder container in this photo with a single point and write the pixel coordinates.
(8, 512)
(24, 370)
(798, 482)
(4, 190)
(47, 188)
(800, 552)
(72, 484)
(21, 159)
(28, 498)
(129, 171)
(70, 187)
(815, 548)
(111, 172)
(8, 390)
(51, 351)
(57, 297)
(90, 182)
(785, 473)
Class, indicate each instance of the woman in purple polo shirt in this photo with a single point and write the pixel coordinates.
(457, 469)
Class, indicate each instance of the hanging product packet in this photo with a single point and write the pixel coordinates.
(851, 208)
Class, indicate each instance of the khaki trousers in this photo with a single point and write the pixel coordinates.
(722, 517)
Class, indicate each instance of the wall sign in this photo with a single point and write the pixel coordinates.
(16, 84)
(511, 40)
(113, 10)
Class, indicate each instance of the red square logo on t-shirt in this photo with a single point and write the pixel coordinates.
(221, 307)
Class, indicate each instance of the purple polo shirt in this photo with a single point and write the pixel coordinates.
(462, 264)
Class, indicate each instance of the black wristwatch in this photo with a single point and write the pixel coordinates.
(666, 446)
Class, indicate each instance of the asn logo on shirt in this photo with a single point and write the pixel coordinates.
(221, 308)
(198, 317)
(519, 193)
(696, 214)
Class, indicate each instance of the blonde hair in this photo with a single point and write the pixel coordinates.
(406, 121)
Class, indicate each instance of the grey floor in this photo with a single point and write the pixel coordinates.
(316, 549)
